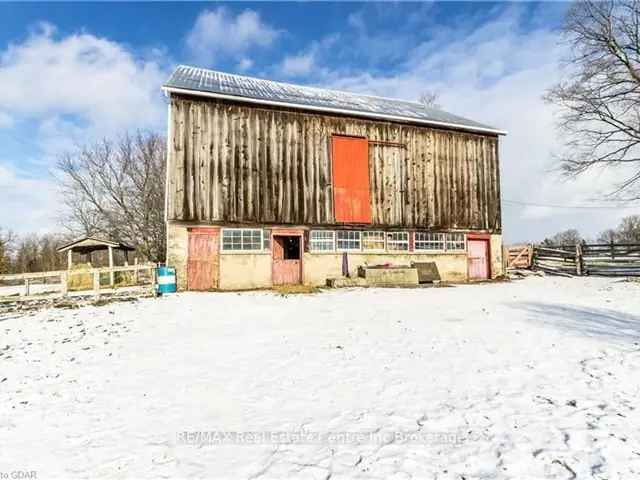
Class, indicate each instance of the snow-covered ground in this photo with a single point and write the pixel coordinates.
(538, 378)
(34, 288)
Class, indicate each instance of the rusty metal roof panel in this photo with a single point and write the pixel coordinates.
(195, 80)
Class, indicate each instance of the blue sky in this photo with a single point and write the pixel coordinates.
(72, 73)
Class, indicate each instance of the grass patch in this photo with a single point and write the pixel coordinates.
(285, 290)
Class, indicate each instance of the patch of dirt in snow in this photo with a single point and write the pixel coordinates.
(531, 379)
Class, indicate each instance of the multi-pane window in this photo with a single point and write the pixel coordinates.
(322, 241)
(369, 241)
(266, 239)
(398, 241)
(242, 239)
(348, 240)
(372, 240)
(455, 242)
(429, 241)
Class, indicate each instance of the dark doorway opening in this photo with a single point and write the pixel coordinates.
(290, 247)
(287, 259)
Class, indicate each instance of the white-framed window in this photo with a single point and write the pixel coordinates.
(398, 241)
(348, 240)
(373, 241)
(242, 239)
(455, 242)
(266, 239)
(322, 241)
(428, 241)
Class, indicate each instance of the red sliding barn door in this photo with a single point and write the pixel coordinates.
(352, 202)
(203, 262)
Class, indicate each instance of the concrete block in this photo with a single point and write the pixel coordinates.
(389, 276)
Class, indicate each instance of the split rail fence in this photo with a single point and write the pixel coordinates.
(63, 283)
(603, 259)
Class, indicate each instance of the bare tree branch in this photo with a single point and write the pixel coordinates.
(429, 99)
(116, 189)
(600, 100)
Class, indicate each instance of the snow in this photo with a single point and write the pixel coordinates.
(34, 288)
(537, 378)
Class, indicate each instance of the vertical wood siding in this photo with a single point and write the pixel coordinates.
(233, 163)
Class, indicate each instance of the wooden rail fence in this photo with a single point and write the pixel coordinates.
(142, 277)
(604, 259)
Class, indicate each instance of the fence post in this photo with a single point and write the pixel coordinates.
(64, 287)
(579, 269)
(505, 259)
(26, 287)
(154, 279)
(96, 283)
(111, 273)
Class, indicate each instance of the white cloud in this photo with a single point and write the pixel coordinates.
(68, 90)
(307, 61)
(296, 65)
(6, 120)
(219, 34)
(245, 64)
(94, 78)
(28, 203)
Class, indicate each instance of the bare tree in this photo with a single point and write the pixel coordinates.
(429, 99)
(600, 98)
(567, 237)
(629, 230)
(7, 239)
(115, 188)
(608, 236)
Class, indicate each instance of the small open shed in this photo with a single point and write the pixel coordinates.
(88, 245)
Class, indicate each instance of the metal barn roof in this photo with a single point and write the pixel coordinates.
(200, 81)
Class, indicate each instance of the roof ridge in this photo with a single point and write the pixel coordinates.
(215, 83)
(311, 87)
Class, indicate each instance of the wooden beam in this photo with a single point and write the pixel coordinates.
(111, 273)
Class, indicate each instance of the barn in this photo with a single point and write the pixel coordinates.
(270, 183)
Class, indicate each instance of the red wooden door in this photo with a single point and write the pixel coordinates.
(287, 263)
(203, 262)
(478, 259)
(351, 198)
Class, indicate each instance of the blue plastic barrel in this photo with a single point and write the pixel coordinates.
(166, 280)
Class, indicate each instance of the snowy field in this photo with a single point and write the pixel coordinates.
(538, 378)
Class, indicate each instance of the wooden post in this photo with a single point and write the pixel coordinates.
(530, 246)
(64, 287)
(69, 259)
(111, 274)
(26, 287)
(612, 250)
(96, 283)
(505, 259)
(137, 272)
(579, 269)
(154, 290)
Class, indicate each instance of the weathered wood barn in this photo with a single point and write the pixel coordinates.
(271, 183)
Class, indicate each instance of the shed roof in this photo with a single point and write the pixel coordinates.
(200, 81)
(93, 243)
